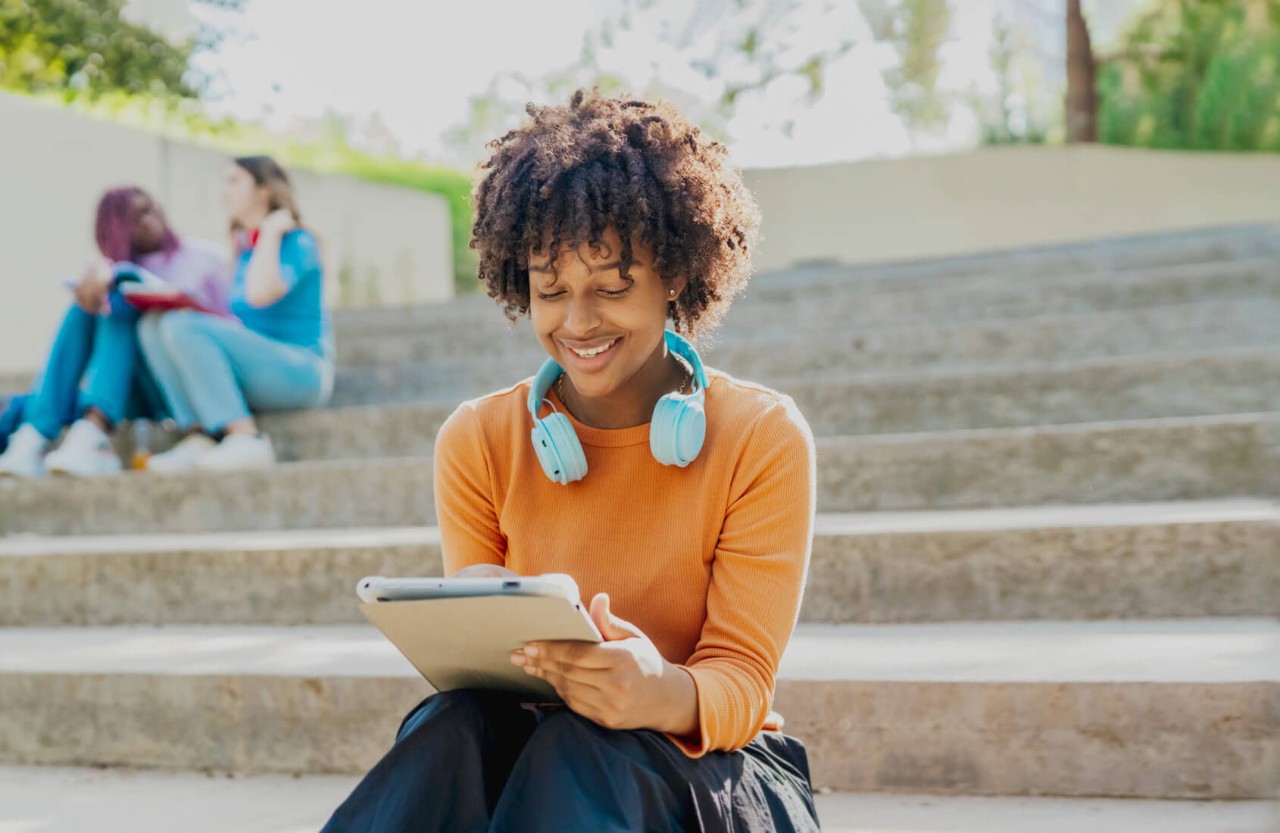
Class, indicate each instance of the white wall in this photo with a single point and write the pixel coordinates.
(1002, 197)
(382, 244)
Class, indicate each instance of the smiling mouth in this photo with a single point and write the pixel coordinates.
(594, 351)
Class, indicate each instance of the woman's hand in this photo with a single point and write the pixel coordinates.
(621, 683)
(95, 281)
(278, 223)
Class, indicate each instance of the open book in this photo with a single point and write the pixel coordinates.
(144, 290)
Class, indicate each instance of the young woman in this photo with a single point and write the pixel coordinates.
(276, 353)
(95, 377)
(680, 499)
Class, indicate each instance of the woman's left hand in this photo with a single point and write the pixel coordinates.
(278, 222)
(621, 683)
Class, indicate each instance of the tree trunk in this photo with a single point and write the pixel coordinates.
(1082, 77)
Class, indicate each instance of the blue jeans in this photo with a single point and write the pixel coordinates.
(213, 370)
(95, 362)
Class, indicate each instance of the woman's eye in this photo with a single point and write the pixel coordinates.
(549, 296)
(615, 293)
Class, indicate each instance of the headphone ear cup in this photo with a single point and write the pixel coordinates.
(691, 430)
(678, 430)
(661, 433)
(558, 449)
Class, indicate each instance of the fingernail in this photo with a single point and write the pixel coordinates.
(531, 651)
(517, 659)
(529, 669)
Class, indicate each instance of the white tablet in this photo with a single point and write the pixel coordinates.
(373, 589)
(459, 633)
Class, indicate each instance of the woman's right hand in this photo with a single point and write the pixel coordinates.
(91, 291)
(483, 571)
(278, 222)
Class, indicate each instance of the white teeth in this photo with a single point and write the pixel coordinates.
(586, 354)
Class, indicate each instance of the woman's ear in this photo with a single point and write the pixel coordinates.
(677, 287)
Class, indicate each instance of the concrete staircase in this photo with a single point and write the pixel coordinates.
(1047, 561)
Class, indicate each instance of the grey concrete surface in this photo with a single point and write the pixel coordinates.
(1185, 709)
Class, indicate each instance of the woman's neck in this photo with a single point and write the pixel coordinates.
(253, 220)
(633, 403)
(140, 253)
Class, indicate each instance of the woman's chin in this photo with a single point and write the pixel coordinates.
(593, 388)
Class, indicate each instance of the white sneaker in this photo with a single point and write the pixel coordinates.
(25, 455)
(239, 451)
(86, 451)
(183, 456)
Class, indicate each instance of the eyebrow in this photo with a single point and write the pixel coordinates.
(545, 268)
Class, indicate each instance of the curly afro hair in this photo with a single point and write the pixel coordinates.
(570, 172)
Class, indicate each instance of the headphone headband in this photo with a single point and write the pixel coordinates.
(682, 348)
(547, 375)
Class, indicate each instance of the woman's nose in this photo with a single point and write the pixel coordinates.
(582, 316)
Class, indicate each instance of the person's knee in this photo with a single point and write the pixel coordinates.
(464, 713)
(118, 309)
(148, 329)
(148, 325)
(565, 731)
(177, 328)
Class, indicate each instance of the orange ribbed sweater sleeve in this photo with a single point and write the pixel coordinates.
(757, 581)
(463, 486)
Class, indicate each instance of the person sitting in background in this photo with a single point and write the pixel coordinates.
(94, 377)
(277, 353)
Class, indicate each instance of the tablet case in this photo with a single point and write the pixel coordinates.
(467, 642)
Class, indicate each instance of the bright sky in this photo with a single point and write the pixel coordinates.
(398, 59)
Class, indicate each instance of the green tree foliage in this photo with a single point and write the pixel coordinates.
(1198, 74)
(741, 47)
(1009, 117)
(917, 29)
(86, 47)
(86, 55)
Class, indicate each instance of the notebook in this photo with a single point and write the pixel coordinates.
(144, 290)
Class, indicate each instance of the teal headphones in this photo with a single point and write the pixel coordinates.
(676, 433)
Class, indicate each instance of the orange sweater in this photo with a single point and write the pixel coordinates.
(709, 561)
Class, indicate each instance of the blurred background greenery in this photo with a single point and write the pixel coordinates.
(1175, 74)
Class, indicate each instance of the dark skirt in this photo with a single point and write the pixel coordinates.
(480, 761)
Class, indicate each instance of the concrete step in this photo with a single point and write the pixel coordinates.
(1206, 247)
(768, 307)
(1020, 265)
(1213, 244)
(1141, 387)
(1124, 561)
(1229, 254)
(1091, 463)
(398, 377)
(1205, 325)
(14, 383)
(72, 800)
(1184, 709)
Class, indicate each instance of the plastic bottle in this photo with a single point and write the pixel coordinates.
(141, 444)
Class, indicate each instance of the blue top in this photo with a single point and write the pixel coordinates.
(301, 317)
